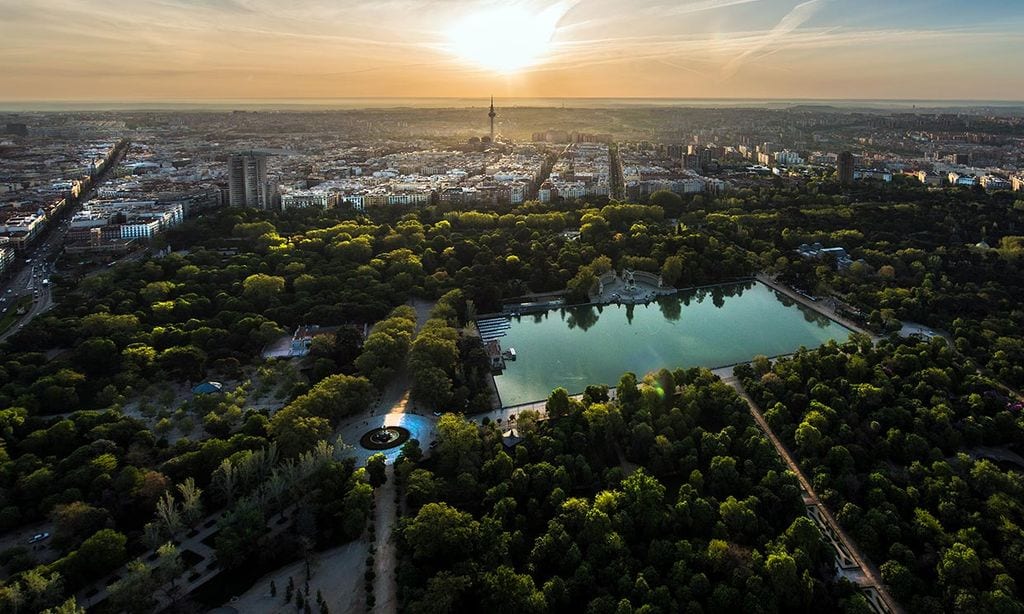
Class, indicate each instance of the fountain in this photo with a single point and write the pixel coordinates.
(384, 438)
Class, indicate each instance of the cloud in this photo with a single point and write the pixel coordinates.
(375, 46)
(697, 6)
(790, 22)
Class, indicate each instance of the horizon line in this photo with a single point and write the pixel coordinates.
(356, 103)
(488, 96)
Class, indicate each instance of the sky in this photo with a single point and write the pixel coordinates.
(167, 50)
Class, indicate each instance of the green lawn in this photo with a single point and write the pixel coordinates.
(11, 315)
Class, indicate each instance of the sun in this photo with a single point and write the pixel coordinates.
(505, 39)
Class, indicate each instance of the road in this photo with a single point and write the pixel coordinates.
(865, 574)
(37, 263)
(385, 584)
(29, 282)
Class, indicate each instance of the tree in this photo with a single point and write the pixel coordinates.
(295, 431)
(261, 289)
(169, 567)
(782, 572)
(558, 403)
(420, 488)
(225, 481)
(411, 451)
(37, 589)
(102, 552)
(671, 202)
(376, 468)
(135, 591)
(191, 502)
(167, 513)
(240, 534)
(183, 362)
(579, 287)
(458, 444)
(444, 592)
(959, 567)
(68, 607)
(644, 500)
(75, 521)
(97, 356)
(672, 270)
(440, 533)
(355, 507)
(432, 386)
(333, 398)
(508, 592)
(898, 578)
(804, 536)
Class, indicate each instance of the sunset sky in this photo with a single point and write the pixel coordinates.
(260, 49)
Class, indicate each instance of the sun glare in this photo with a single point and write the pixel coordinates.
(505, 39)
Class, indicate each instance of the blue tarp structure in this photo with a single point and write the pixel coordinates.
(207, 388)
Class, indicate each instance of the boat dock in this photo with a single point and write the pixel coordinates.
(493, 328)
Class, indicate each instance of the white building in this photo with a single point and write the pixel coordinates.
(140, 229)
(306, 199)
(992, 182)
(788, 157)
(420, 197)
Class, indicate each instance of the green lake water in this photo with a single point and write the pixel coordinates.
(711, 327)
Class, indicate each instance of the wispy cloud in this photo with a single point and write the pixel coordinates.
(372, 46)
(697, 6)
(790, 22)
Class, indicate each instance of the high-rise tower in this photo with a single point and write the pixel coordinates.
(844, 168)
(247, 180)
(492, 115)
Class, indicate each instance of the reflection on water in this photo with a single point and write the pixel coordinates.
(582, 317)
(707, 327)
(810, 315)
(671, 307)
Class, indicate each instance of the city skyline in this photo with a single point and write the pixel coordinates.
(764, 49)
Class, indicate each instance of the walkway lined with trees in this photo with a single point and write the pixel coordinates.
(866, 575)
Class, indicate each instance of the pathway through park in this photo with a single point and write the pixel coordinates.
(855, 566)
(385, 586)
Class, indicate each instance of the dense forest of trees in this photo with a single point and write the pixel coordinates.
(897, 439)
(667, 499)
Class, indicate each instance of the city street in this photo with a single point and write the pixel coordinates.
(29, 281)
(33, 267)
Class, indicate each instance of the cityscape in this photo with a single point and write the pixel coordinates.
(523, 307)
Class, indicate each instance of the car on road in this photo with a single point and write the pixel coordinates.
(38, 537)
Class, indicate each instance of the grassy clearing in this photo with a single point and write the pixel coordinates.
(11, 315)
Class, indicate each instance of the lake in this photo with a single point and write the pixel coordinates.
(708, 327)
